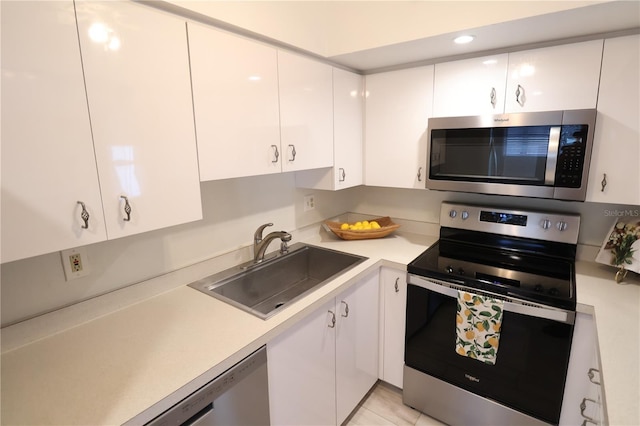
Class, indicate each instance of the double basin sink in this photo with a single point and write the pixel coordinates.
(265, 288)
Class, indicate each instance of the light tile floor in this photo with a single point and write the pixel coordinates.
(383, 406)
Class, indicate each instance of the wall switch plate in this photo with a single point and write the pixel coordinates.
(75, 263)
(309, 203)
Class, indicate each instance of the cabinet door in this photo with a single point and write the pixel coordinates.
(301, 365)
(583, 392)
(139, 94)
(48, 162)
(348, 115)
(235, 99)
(397, 108)
(306, 112)
(470, 87)
(356, 344)
(614, 175)
(554, 78)
(394, 284)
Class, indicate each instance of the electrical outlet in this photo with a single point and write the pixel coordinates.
(309, 203)
(75, 263)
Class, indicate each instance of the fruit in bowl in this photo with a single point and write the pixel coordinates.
(375, 228)
(364, 225)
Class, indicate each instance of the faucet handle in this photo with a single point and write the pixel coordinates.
(257, 237)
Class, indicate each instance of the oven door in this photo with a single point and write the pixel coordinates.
(532, 359)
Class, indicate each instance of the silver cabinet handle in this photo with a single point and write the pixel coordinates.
(84, 215)
(276, 154)
(341, 175)
(420, 174)
(583, 406)
(127, 208)
(604, 182)
(591, 376)
(346, 309)
(493, 97)
(293, 152)
(520, 96)
(397, 288)
(333, 320)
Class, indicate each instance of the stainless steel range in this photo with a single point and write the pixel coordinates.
(490, 317)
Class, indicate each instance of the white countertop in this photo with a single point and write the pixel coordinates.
(130, 364)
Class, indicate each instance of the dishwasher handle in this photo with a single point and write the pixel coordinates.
(202, 417)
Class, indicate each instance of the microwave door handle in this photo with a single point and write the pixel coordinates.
(552, 155)
(493, 160)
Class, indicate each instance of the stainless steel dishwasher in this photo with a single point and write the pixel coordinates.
(239, 396)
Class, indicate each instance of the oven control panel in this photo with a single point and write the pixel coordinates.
(558, 227)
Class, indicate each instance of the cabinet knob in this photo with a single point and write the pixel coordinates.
(293, 152)
(583, 407)
(591, 375)
(276, 154)
(84, 215)
(341, 175)
(333, 320)
(520, 95)
(604, 182)
(127, 208)
(346, 310)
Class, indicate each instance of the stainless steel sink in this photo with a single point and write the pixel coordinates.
(265, 288)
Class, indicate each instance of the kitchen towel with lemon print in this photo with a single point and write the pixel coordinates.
(478, 323)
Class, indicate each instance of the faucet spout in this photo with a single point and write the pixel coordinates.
(260, 244)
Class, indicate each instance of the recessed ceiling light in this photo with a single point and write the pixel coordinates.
(463, 39)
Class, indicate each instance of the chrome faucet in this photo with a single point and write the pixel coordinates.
(260, 244)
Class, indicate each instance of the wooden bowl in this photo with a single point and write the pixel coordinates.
(386, 228)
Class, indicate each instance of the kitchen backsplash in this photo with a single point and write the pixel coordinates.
(233, 209)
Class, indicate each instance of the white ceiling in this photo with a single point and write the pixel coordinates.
(370, 36)
(576, 23)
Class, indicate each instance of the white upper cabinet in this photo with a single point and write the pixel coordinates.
(235, 98)
(397, 108)
(306, 112)
(470, 87)
(554, 78)
(614, 175)
(348, 115)
(139, 94)
(48, 161)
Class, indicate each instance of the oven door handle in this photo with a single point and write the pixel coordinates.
(554, 314)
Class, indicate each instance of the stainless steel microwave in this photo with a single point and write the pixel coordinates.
(537, 154)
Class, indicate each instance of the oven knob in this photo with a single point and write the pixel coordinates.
(460, 271)
(554, 291)
(449, 269)
(562, 226)
(465, 215)
(538, 288)
(453, 214)
(546, 224)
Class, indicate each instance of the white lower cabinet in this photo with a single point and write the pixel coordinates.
(394, 290)
(323, 366)
(583, 398)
